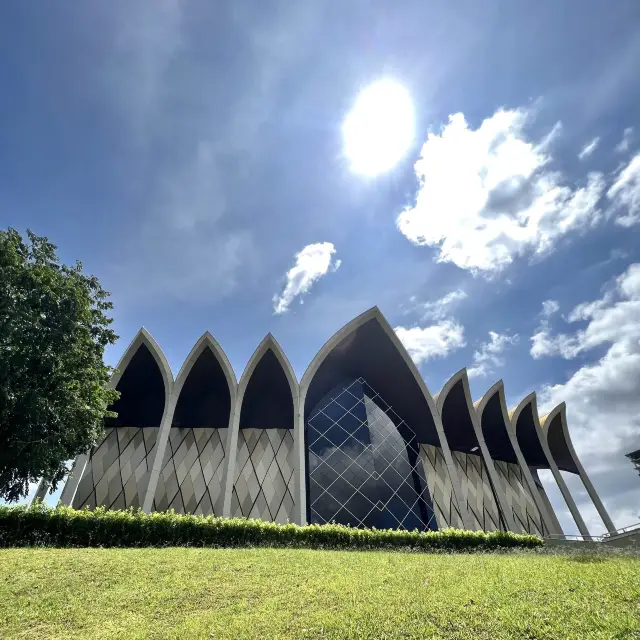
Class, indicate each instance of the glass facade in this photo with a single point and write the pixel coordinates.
(363, 466)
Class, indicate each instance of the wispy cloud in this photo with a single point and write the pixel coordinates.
(624, 193)
(589, 148)
(624, 144)
(312, 262)
(489, 356)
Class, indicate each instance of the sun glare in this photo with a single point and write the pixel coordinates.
(379, 130)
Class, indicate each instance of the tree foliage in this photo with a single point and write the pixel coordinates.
(54, 389)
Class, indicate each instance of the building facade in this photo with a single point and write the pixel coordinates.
(359, 440)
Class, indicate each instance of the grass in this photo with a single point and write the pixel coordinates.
(280, 593)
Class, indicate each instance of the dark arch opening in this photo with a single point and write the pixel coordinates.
(267, 402)
(370, 354)
(205, 398)
(495, 433)
(457, 423)
(559, 448)
(142, 394)
(528, 440)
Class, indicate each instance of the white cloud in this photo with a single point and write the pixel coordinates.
(549, 308)
(312, 262)
(440, 308)
(425, 343)
(589, 148)
(488, 357)
(625, 143)
(624, 193)
(487, 195)
(602, 397)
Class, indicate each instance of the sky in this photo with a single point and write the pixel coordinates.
(193, 156)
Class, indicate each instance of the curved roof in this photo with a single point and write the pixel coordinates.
(205, 386)
(554, 429)
(207, 341)
(368, 347)
(145, 382)
(494, 422)
(268, 388)
(456, 408)
(526, 425)
(143, 337)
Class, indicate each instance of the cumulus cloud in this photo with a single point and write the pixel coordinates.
(602, 397)
(625, 143)
(434, 341)
(489, 356)
(589, 148)
(487, 195)
(624, 193)
(312, 262)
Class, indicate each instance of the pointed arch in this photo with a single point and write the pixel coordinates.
(529, 510)
(479, 479)
(260, 475)
(556, 433)
(188, 469)
(526, 424)
(116, 474)
(367, 350)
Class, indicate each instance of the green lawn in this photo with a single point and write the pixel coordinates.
(276, 593)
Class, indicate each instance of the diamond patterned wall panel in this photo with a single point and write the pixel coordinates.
(439, 483)
(477, 491)
(525, 511)
(264, 478)
(364, 467)
(191, 479)
(117, 473)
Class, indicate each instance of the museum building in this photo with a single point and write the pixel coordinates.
(359, 440)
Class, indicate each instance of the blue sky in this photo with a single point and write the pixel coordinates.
(191, 154)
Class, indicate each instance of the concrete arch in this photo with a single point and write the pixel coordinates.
(268, 344)
(142, 339)
(349, 347)
(556, 434)
(455, 399)
(502, 444)
(526, 425)
(206, 341)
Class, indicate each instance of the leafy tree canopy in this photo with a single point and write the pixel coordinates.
(54, 389)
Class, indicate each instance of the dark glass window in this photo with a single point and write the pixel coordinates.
(363, 464)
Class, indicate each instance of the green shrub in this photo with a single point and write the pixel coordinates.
(40, 525)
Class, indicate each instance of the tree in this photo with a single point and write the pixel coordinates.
(54, 392)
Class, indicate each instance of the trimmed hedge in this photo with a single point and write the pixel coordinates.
(40, 525)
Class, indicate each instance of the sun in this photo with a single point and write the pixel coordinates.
(379, 129)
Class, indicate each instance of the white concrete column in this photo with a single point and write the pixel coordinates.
(300, 459)
(231, 455)
(41, 492)
(75, 475)
(160, 448)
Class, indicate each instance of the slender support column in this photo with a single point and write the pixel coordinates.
(568, 498)
(41, 492)
(554, 524)
(597, 503)
(558, 439)
(544, 507)
(71, 486)
(300, 459)
(231, 455)
(161, 446)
